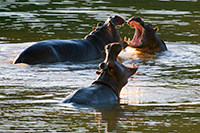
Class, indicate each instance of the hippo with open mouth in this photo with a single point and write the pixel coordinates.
(145, 38)
(75, 50)
(107, 87)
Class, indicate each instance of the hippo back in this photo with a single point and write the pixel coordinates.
(50, 51)
(94, 94)
(75, 50)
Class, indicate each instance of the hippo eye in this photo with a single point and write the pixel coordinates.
(111, 71)
(154, 45)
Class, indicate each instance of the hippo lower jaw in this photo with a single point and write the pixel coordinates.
(136, 42)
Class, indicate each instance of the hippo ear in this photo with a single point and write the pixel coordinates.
(97, 72)
(156, 29)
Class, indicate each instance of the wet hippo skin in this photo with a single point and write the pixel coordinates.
(145, 38)
(112, 77)
(75, 50)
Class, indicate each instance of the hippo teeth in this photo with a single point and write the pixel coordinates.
(133, 64)
(125, 38)
(133, 42)
(129, 41)
(139, 30)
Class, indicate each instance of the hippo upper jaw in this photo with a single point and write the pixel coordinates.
(117, 20)
(137, 41)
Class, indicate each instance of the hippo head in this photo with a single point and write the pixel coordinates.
(113, 73)
(107, 32)
(145, 38)
(116, 20)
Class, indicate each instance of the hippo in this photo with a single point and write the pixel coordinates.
(113, 75)
(74, 50)
(145, 38)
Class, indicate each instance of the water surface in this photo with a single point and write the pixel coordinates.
(163, 96)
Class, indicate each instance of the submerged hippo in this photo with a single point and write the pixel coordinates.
(107, 87)
(75, 50)
(145, 38)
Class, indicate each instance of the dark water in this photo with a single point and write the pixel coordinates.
(163, 96)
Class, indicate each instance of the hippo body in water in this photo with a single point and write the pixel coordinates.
(75, 50)
(145, 38)
(107, 87)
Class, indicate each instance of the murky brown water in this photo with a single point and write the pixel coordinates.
(164, 95)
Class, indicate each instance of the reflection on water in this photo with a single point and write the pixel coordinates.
(162, 97)
(170, 78)
(40, 20)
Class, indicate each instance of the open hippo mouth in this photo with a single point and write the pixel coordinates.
(112, 65)
(145, 38)
(139, 32)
